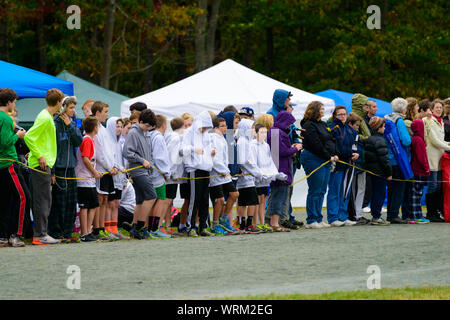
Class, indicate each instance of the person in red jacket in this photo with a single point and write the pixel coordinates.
(421, 169)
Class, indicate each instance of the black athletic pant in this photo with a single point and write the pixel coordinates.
(199, 199)
(14, 196)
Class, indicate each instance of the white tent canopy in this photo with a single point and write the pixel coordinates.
(226, 83)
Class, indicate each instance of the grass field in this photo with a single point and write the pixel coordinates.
(422, 293)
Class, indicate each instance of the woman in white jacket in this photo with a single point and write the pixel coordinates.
(436, 147)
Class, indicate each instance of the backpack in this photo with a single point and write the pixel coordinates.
(394, 144)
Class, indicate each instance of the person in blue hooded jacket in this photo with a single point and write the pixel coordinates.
(282, 101)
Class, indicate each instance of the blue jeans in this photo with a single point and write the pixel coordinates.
(335, 196)
(317, 185)
(378, 196)
(433, 186)
(396, 193)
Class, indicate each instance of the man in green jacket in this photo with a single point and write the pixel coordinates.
(41, 140)
(359, 102)
(11, 189)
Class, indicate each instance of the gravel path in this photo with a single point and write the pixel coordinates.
(303, 261)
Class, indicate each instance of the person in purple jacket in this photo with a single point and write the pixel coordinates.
(282, 153)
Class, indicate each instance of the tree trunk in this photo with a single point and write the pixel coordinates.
(41, 44)
(181, 66)
(4, 45)
(211, 44)
(200, 35)
(381, 65)
(107, 45)
(148, 76)
(269, 48)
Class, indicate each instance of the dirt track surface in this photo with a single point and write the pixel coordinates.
(303, 261)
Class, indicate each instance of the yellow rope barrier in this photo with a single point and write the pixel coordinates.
(221, 175)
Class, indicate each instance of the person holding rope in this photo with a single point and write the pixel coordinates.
(11, 190)
(64, 191)
(338, 197)
(41, 140)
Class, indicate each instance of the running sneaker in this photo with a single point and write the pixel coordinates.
(15, 241)
(146, 233)
(289, 225)
(63, 240)
(225, 224)
(103, 236)
(313, 225)
(349, 223)
(379, 222)
(260, 228)
(366, 210)
(159, 234)
(192, 233)
(218, 230)
(3, 242)
(252, 229)
(112, 236)
(324, 224)
(120, 236)
(135, 234)
(422, 221)
(337, 223)
(267, 228)
(412, 221)
(88, 238)
(206, 233)
(297, 223)
(45, 240)
(183, 232)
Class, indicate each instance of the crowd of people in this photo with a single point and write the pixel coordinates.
(125, 173)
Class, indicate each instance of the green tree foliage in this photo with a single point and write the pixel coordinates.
(311, 44)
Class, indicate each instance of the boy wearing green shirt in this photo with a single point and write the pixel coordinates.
(11, 216)
(41, 140)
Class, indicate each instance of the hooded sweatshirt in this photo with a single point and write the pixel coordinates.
(194, 138)
(419, 158)
(105, 153)
(67, 139)
(220, 161)
(233, 164)
(160, 158)
(247, 157)
(119, 179)
(264, 162)
(136, 149)
(285, 152)
(279, 98)
(358, 102)
(173, 142)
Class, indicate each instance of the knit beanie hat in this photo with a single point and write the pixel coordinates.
(376, 122)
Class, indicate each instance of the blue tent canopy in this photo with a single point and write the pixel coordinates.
(345, 99)
(28, 83)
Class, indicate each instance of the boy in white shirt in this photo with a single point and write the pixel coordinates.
(160, 176)
(220, 182)
(247, 159)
